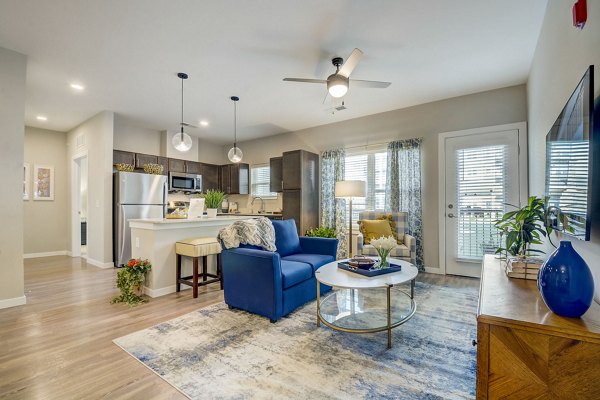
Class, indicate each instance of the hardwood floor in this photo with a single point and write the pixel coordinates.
(59, 345)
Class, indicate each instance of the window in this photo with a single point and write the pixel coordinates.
(481, 190)
(369, 167)
(260, 181)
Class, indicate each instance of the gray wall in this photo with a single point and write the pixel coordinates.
(46, 222)
(562, 55)
(495, 107)
(94, 137)
(12, 115)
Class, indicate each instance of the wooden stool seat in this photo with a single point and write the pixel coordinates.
(196, 248)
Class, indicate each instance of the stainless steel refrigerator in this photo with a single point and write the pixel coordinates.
(136, 196)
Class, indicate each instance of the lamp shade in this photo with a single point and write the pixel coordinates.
(350, 189)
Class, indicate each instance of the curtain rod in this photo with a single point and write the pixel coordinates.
(366, 145)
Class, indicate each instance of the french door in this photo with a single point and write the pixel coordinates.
(481, 177)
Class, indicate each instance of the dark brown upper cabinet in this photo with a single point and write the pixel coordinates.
(164, 161)
(176, 165)
(276, 174)
(210, 176)
(235, 178)
(192, 167)
(143, 159)
(123, 157)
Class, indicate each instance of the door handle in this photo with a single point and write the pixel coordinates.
(450, 215)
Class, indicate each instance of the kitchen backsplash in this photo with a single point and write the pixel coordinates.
(243, 201)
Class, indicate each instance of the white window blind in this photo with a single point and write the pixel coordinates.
(481, 191)
(567, 179)
(371, 168)
(260, 176)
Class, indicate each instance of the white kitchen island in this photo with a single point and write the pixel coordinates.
(154, 239)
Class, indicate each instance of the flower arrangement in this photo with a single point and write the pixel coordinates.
(384, 245)
(130, 279)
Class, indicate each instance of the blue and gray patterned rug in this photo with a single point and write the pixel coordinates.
(229, 354)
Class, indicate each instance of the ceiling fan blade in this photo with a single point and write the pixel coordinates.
(369, 84)
(351, 63)
(304, 80)
(188, 125)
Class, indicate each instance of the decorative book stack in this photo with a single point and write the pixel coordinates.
(523, 268)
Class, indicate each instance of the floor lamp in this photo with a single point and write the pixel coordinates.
(349, 190)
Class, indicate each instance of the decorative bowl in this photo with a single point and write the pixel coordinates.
(155, 169)
(361, 262)
(124, 167)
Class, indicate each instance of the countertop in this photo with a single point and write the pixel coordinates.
(163, 223)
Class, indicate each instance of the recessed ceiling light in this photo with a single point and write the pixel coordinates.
(77, 86)
(41, 118)
(204, 123)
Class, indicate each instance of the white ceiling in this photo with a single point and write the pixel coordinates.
(127, 54)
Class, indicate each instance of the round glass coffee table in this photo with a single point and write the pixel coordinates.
(365, 304)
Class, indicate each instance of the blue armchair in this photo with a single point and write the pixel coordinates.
(273, 284)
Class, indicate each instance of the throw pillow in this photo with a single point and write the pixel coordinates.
(286, 237)
(390, 219)
(374, 229)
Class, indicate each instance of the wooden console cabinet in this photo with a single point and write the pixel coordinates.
(525, 351)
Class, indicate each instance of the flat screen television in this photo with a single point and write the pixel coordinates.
(569, 162)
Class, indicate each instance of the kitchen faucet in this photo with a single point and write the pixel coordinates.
(262, 204)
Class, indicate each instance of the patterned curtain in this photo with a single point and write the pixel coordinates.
(404, 187)
(333, 212)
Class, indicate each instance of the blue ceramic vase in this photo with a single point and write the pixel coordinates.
(566, 283)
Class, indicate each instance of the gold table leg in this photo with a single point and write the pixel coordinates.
(318, 303)
(389, 317)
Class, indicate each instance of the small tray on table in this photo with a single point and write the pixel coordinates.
(369, 270)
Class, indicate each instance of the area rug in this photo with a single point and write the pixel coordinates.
(217, 353)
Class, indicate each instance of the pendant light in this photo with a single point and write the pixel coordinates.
(235, 153)
(182, 141)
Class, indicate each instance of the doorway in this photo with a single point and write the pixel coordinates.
(483, 173)
(79, 206)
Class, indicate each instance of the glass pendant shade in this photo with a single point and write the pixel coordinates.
(235, 154)
(182, 142)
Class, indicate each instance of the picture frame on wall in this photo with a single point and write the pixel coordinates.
(43, 182)
(26, 181)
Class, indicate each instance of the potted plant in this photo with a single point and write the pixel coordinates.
(525, 227)
(212, 200)
(321, 232)
(130, 279)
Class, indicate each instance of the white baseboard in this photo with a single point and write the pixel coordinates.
(16, 301)
(163, 291)
(99, 264)
(434, 270)
(47, 254)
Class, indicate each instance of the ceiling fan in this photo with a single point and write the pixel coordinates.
(338, 82)
(182, 141)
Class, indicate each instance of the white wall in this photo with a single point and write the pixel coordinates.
(12, 115)
(46, 222)
(128, 136)
(95, 137)
(561, 58)
(495, 107)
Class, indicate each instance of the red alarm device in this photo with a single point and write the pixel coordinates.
(579, 13)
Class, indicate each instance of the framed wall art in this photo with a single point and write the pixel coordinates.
(43, 182)
(26, 181)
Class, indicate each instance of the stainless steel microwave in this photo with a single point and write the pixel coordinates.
(185, 182)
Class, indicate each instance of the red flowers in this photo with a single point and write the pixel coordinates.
(139, 265)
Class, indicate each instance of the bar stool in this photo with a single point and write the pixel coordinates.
(196, 248)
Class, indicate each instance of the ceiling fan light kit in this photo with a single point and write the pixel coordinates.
(182, 141)
(339, 82)
(235, 154)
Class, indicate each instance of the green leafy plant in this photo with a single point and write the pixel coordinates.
(525, 227)
(321, 232)
(213, 198)
(130, 279)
